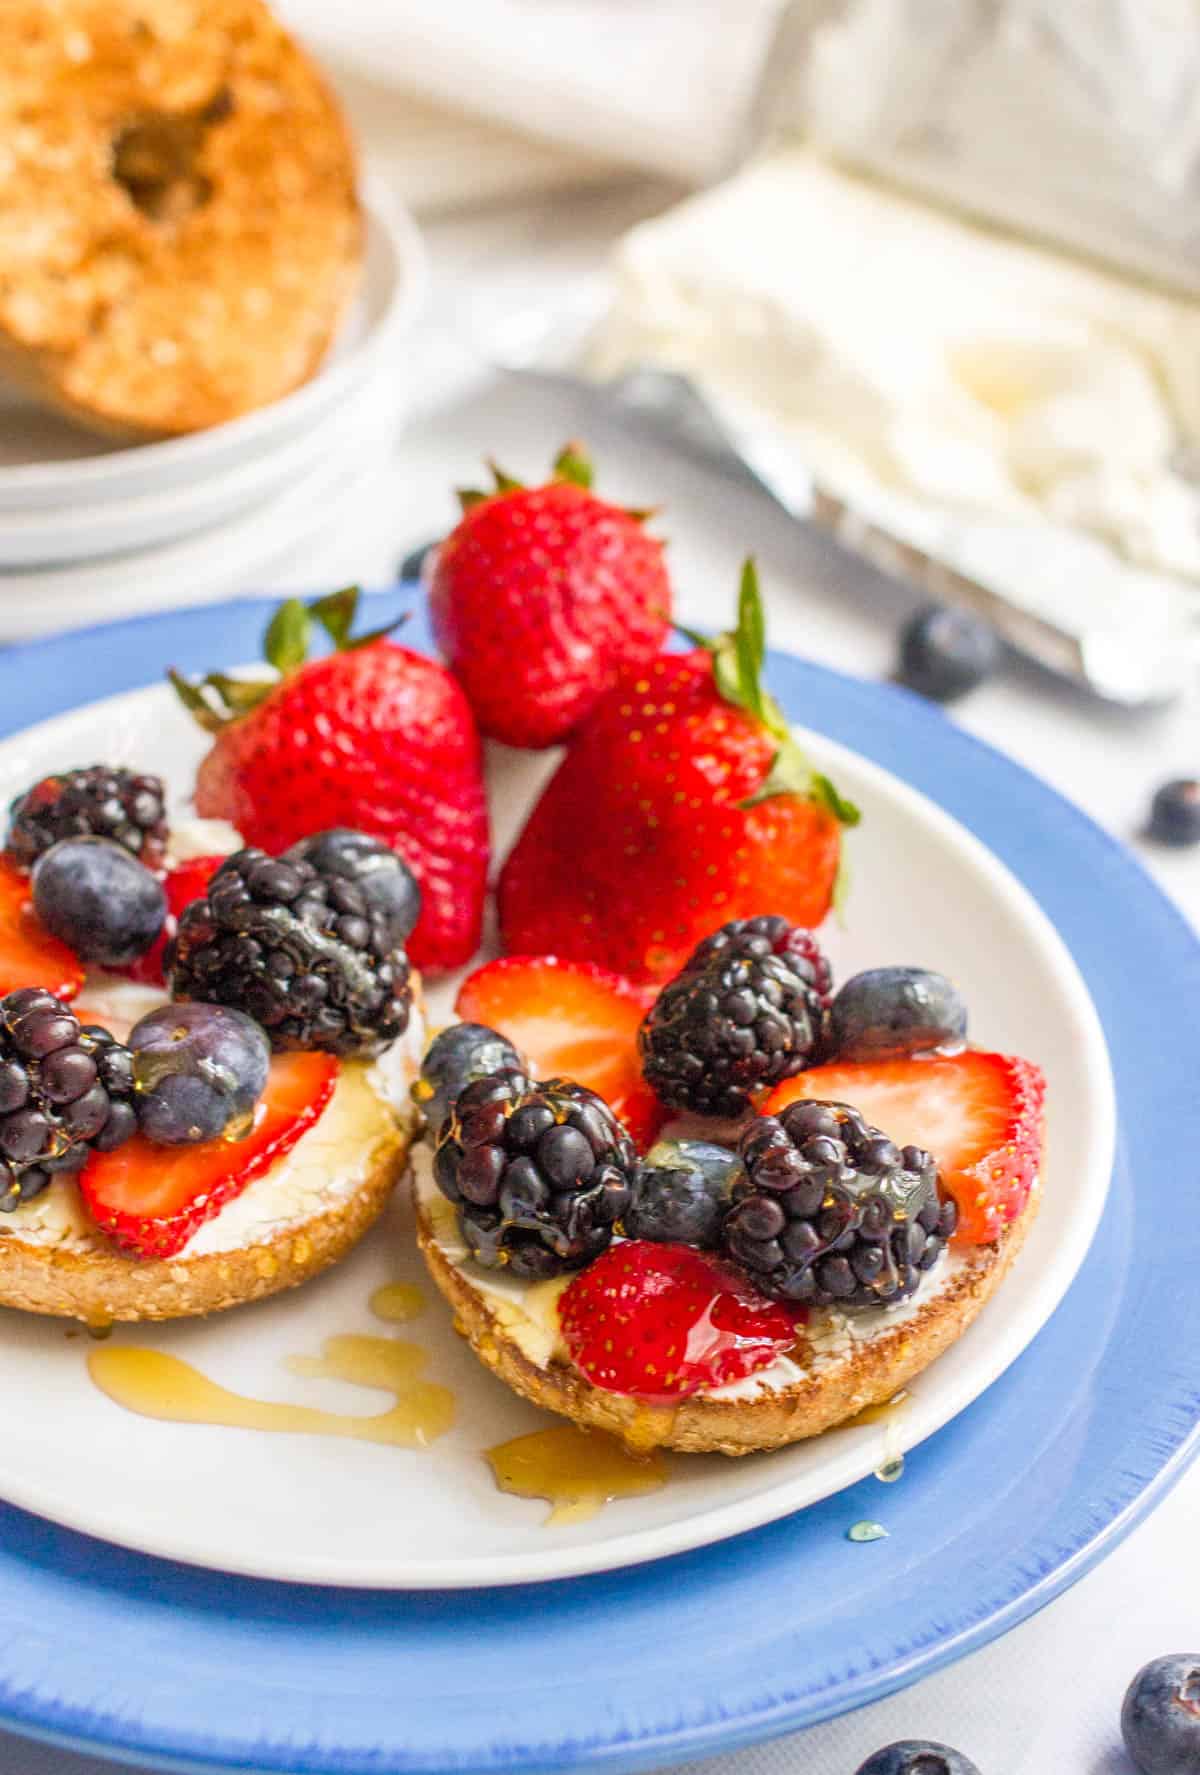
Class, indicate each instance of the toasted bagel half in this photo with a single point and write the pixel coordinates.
(179, 227)
(301, 1216)
(841, 1364)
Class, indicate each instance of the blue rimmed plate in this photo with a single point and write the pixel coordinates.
(764, 1632)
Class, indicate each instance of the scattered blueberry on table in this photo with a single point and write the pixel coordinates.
(413, 564)
(944, 653)
(1175, 812)
(1160, 1718)
(916, 1756)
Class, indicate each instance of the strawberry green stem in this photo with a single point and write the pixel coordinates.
(216, 699)
(738, 658)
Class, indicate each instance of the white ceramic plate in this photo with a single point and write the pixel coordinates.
(303, 1508)
(48, 465)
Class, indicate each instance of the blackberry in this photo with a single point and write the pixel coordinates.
(98, 802)
(770, 933)
(832, 1212)
(385, 878)
(65, 1091)
(748, 1010)
(299, 950)
(539, 1172)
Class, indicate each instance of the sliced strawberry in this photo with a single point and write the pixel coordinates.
(29, 955)
(980, 1115)
(151, 1199)
(662, 1321)
(188, 882)
(570, 1020)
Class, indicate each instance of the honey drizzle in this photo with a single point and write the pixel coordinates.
(397, 1302)
(890, 1414)
(156, 1385)
(576, 1471)
(885, 1412)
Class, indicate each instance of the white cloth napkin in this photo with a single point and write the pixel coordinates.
(1077, 119)
(669, 86)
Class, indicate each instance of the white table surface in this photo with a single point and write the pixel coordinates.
(1045, 1699)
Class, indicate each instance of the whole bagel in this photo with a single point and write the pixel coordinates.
(179, 229)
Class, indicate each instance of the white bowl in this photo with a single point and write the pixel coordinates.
(82, 471)
(234, 556)
(120, 526)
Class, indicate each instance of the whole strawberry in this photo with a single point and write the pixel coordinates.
(541, 596)
(682, 803)
(372, 736)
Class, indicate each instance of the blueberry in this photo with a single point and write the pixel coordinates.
(198, 1071)
(944, 653)
(386, 880)
(1160, 1717)
(99, 900)
(460, 1054)
(1175, 813)
(916, 1756)
(894, 1011)
(413, 564)
(681, 1193)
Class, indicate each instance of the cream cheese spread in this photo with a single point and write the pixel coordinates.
(927, 369)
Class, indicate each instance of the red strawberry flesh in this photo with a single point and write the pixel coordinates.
(683, 802)
(29, 955)
(540, 596)
(570, 1020)
(151, 1199)
(381, 739)
(979, 1114)
(661, 1322)
(182, 885)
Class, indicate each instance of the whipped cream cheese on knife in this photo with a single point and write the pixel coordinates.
(995, 417)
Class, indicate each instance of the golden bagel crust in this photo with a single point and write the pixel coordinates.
(870, 1374)
(102, 1286)
(179, 228)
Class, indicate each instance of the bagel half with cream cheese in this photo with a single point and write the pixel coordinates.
(302, 1215)
(841, 1363)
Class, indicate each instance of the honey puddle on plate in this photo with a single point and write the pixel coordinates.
(397, 1302)
(576, 1471)
(156, 1385)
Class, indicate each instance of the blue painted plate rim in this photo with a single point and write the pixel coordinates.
(188, 1748)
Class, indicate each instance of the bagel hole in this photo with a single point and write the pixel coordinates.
(154, 158)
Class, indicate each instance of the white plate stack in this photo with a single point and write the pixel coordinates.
(91, 529)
